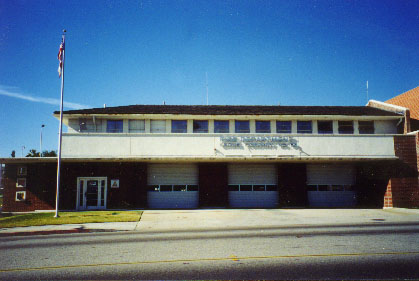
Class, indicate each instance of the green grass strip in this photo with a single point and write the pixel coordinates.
(34, 219)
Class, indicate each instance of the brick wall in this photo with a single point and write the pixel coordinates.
(403, 187)
(292, 185)
(213, 185)
(132, 191)
(40, 187)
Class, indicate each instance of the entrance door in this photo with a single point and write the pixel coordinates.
(91, 193)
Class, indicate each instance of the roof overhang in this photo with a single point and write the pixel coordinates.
(355, 158)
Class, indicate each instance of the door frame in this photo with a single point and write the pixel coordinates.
(81, 205)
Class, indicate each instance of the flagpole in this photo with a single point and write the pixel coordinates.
(60, 130)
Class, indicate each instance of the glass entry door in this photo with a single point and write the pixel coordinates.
(91, 193)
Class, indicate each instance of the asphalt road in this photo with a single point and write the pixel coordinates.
(300, 252)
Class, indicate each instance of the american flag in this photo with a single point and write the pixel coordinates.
(60, 57)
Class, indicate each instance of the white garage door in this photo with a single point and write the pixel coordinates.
(172, 186)
(331, 185)
(253, 185)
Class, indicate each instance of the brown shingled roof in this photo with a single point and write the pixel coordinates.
(409, 99)
(236, 110)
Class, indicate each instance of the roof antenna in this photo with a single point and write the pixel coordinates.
(206, 84)
(367, 92)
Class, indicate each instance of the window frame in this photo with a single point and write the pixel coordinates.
(23, 197)
(114, 130)
(195, 125)
(301, 129)
(279, 126)
(21, 182)
(345, 124)
(217, 130)
(136, 130)
(172, 188)
(182, 130)
(155, 121)
(365, 127)
(22, 171)
(262, 130)
(329, 122)
(238, 123)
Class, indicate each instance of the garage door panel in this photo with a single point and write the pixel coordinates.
(159, 174)
(174, 186)
(330, 174)
(329, 183)
(253, 184)
(252, 174)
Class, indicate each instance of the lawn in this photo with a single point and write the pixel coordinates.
(68, 218)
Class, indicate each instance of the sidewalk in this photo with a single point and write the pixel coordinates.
(225, 219)
(218, 219)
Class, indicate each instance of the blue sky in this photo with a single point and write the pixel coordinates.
(146, 52)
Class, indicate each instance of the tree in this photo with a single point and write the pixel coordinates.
(51, 153)
(45, 153)
(13, 154)
(33, 153)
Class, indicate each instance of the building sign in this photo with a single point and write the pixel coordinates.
(258, 142)
(114, 183)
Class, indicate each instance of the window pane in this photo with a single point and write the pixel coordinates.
(346, 127)
(233, 188)
(81, 192)
(258, 188)
(366, 127)
(179, 188)
(312, 188)
(283, 127)
(338, 188)
(102, 190)
(90, 126)
(193, 188)
(245, 188)
(179, 126)
(323, 187)
(158, 126)
(271, 188)
(221, 127)
(325, 127)
(263, 126)
(165, 188)
(136, 126)
(304, 127)
(83, 124)
(348, 187)
(114, 126)
(200, 126)
(153, 188)
(242, 126)
(21, 171)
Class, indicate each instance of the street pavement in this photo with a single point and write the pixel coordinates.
(153, 221)
(222, 244)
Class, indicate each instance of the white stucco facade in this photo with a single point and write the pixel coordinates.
(196, 146)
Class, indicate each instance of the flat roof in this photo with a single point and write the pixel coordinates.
(235, 110)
